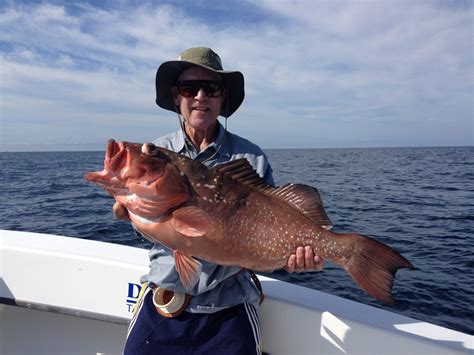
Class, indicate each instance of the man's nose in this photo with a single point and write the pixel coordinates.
(201, 94)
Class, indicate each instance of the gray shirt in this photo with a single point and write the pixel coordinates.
(218, 286)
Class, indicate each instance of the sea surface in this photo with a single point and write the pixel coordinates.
(418, 200)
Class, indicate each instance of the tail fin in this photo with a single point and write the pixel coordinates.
(373, 266)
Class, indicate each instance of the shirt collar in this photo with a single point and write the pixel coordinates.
(221, 141)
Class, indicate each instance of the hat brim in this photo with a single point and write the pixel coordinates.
(168, 73)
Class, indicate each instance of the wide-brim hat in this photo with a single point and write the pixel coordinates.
(169, 71)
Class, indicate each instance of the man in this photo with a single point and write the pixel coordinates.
(218, 314)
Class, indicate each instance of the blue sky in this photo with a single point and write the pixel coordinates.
(318, 73)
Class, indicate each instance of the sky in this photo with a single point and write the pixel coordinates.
(318, 74)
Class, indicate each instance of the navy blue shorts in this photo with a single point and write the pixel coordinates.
(234, 330)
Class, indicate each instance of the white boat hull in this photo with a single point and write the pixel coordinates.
(62, 295)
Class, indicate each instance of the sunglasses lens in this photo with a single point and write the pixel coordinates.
(212, 88)
(187, 89)
(190, 88)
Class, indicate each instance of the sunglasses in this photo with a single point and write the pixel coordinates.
(190, 88)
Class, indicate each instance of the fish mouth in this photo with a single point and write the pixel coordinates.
(141, 178)
(125, 164)
(112, 149)
(113, 154)
(113, 158)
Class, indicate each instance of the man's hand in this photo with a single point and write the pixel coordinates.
(120, 212)
(304, 260)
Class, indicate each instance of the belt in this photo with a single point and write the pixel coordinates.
(171, 304)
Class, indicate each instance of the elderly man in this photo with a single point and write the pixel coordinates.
(218, 315)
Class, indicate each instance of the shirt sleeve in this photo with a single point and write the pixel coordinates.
(267, 172)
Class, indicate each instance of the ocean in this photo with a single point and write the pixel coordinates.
(418, 200)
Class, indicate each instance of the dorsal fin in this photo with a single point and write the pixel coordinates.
(305, 199)
(241, 171)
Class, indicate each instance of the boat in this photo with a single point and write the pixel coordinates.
(65, 295)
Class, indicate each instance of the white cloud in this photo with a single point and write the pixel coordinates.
(357, 71)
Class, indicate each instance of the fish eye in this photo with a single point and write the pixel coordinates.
(152, 150)
(149, 149)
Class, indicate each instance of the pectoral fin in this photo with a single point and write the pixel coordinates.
(143, 201)
(191, 221)
(188, 269)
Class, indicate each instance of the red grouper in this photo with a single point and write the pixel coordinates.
(228, 215)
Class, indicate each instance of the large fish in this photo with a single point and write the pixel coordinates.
(228, 215)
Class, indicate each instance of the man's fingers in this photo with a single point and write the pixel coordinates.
(318, 263)
(299, 259)
(308, 258)
(290, 267)
(120, 212)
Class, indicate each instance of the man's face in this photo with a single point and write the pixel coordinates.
(199, 111)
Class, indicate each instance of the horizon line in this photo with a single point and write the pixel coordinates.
(28, 148)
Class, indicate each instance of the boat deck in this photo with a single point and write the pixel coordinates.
(30, 331)
(62, 295)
